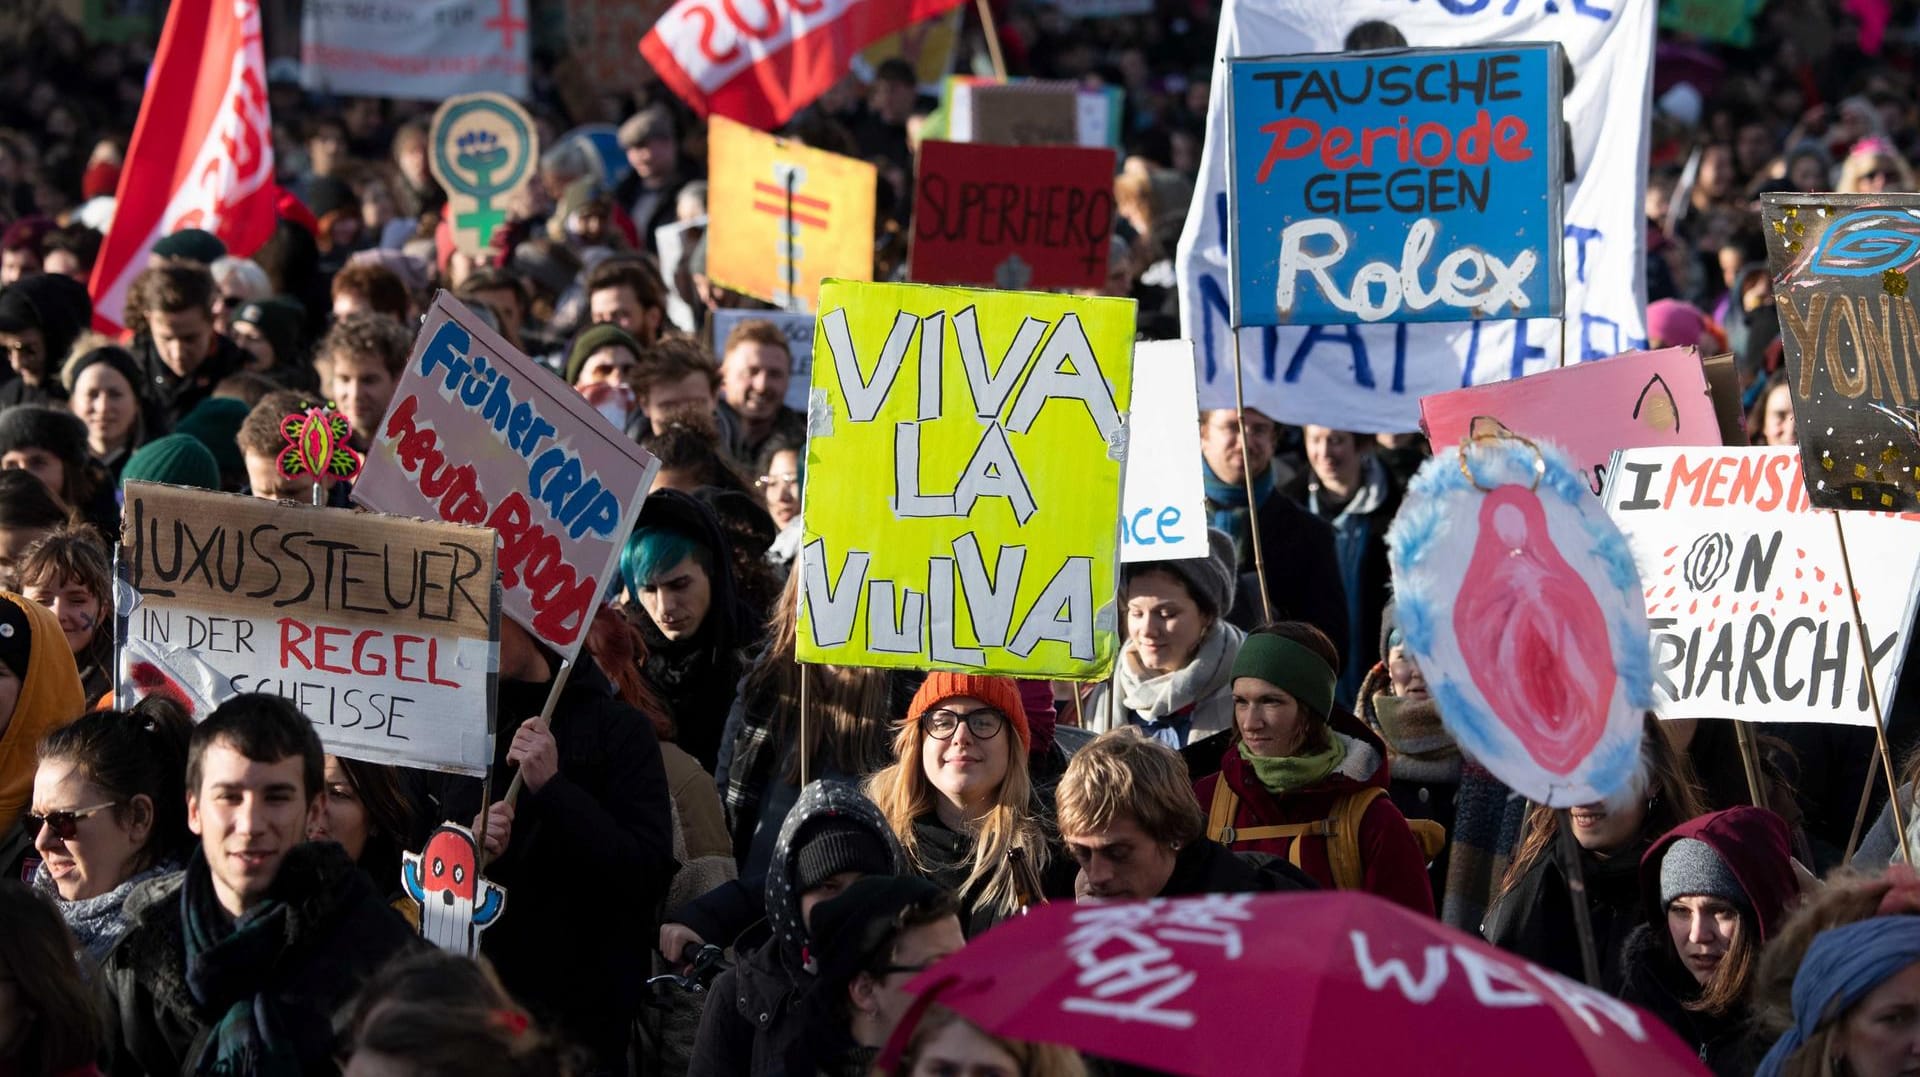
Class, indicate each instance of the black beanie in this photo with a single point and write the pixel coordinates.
(16, 637)
(55, 304)
(834, 844)
(36, 426)
(850, 929)
(278, 321)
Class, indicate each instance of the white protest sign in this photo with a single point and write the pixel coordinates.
(380, 629)
(1163, 509)
(1744, 586)
(421, 50)
(799, 332)
(1371, 377)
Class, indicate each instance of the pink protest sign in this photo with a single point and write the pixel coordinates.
(478, 433)
(1633, 401)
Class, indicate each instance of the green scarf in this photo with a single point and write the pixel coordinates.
(230, 966)
(1287, 773)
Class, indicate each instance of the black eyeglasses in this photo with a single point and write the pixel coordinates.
(65, 824)
(984, 724)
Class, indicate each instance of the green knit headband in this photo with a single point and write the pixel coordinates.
(1295, 669)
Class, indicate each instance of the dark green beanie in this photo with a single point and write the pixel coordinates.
(215, 423)
(193, 244)
(176, 460)
(592, 339)
(1289, 666)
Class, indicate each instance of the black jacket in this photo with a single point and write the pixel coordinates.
(1204, 866)
(340, 933)
(1535, 918)
(176, 396)
(946, 859)
(1303, 573)
(1657, 983)
(588, 864)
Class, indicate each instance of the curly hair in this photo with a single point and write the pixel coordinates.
(368, 334)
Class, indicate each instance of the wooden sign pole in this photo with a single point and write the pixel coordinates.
(1577, 895)
(1246, 475)
(1873, 695)
(519, 777)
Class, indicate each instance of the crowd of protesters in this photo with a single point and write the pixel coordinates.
(216, 894)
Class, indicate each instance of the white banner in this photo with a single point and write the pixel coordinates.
(1163, 508)
(423, 50)
(1371, 378)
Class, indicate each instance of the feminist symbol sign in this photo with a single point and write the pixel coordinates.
(483, 147)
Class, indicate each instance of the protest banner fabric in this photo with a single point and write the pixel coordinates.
(1357, 180)
(1729, 22)
(1743, 582)
(479, 434)
(1841, 268)
(419, 50)
(784, 216)
(202, 150)
(1518, 597)
(798, 329)
(1013, 217)
(1163, 509)
(962, 496)
(760, 64)
(382, 630)
(482, 148)
(1371, 377)
(1591, 410)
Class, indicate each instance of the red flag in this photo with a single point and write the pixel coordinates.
(760, 61)
(202, 152)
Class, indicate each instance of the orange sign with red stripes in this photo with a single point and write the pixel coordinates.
(784, 216)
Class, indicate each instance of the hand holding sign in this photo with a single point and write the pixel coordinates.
(535, 753)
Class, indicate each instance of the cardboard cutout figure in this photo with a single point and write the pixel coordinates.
(456, 905)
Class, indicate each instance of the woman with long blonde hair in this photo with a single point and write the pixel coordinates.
(960, 799)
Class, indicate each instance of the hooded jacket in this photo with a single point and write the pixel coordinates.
(1394, 867)
(752, 1016)
(58, 306)
(50, 697)
(1201, 691)
(1754, 845)
(698, 677)
(1534, 918)
(338, 933)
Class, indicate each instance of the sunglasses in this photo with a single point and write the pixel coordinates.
(65, 824)
(1882, 174)
(984, 724)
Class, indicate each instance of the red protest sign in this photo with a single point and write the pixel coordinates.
(1012, 216)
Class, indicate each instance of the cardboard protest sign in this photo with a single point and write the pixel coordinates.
(1030, 112)
(1360, 186)
(483, 149)
(421, 50)
(1371, 377)
(1520, 601)
(478, 433)
(456, 903)
(798, 329)
(1841, 268)
(783, 216)
(1590, 410)
(963, 480)
(1163, 511)
(1014, 217)
(381, 629)
(1742, 582)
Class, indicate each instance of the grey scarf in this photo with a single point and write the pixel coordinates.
(96, 922)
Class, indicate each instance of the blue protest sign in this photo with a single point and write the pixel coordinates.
(1408, 185)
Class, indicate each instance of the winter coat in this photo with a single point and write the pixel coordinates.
(1422, 757)
(1394, 867)
(752, 1016)
(98, 922)
(1360, 539)
(49, 698)
(176, 396)
(1204, 866)
(1534, 919)
(1488, 819)
(1303, 575)
(702, 821)
(946, 859)
(1200, 693)
(602, 825)
(1754, 844)
(340, 932)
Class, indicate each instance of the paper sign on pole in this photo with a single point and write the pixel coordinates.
(1014, 217)
(1590, 410)
(478, 433)
(797, 328)
(1163, 513)
(420, 50)
(483, 147)
(1360, 186)
(1743, 586)
(1848, 321)
(784, 216)
(1371, 377)
(1030, 112)
(963, 480)
(382, 630)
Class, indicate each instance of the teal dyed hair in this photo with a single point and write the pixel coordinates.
(652, 550)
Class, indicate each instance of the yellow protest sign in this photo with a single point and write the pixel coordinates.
(963, 479)
(783, 216)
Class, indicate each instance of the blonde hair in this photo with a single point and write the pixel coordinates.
(1009, 843)
(1034, 1059)
(1868, 153)
(1123, 772)
(1849, 896)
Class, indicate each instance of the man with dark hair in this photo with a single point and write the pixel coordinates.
(261, 443)
(882, 132)
(364, 355)
(504, 294)
(628, 293)
(649, 192)
(180, 352)
(674, 376)
(362, 287)
(40, 317)
(238, 963)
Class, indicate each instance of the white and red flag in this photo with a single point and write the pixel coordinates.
(760, 61)
(202, 151)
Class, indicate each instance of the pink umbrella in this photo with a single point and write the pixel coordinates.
(1331, 982)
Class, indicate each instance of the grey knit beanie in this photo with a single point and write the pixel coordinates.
(1211, 579)
(1692, 867)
